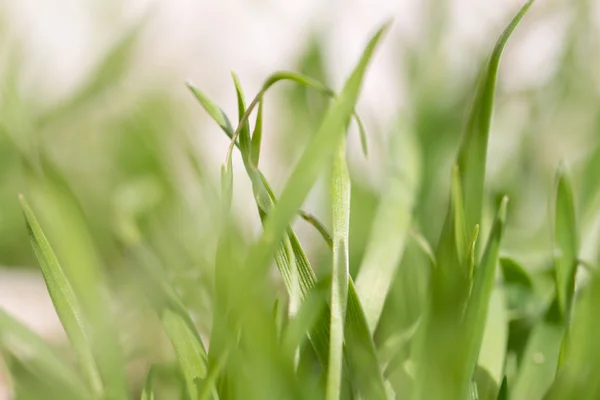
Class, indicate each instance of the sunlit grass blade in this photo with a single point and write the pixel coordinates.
(473, 150)
(257, 136)
(65, 302)
(390, 227)
(213, 110)
(317, 154)
(23, 343)
(340, 197)
(566, 243)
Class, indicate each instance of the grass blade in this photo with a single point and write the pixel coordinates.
(318, 153)
(390, 228)
(473, 149)
(566, 243)
(189, 350)
(479, 302)
(148, 391)
(63, 297)
(217, 114)
(16, 338)
(340, 197)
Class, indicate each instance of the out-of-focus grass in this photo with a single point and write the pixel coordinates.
(163, 293)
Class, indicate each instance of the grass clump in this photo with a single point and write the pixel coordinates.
(330, 333)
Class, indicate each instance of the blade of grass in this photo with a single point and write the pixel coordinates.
(16, 338)
(472, 155)
(390, 228)
(318, 153)
(148, 391)
(566, 243)
(483, 287)
(64, 300)
(340, 197)
(188, 349)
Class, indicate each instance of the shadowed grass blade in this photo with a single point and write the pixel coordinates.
(65, 302)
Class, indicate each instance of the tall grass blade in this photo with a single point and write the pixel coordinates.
(473, 149)
(390, 227)
(65, 302)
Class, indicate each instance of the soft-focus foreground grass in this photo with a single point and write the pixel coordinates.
(424, 290)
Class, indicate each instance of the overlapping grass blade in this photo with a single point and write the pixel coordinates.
(20, 342)
(390, 227)
(189, 350)
(65, 302)
(340, 197)
(549, 338)
(473, 150)
(478, 305)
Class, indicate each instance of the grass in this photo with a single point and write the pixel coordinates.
(383, 309)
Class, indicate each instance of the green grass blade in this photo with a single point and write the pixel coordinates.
(390, 228)
(65, 302)
(217, 114)
(189, 350)
(148, 391)
(540, 361)
(340, 197)
(17, 338)
(257, 136)
(483, 287)
(245, 140)
(566, 243)
(318, 153)
(473, 150)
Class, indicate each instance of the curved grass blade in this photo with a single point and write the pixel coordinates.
(65, 302)
(318, 153)
(472, 155)
(16, 338)
(245, 141)
(340, 197)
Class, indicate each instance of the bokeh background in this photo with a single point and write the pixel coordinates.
(99, 130)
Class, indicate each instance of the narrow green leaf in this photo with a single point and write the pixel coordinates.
(478, 305)
(64, 300)
(390, 227)
(540, 360)
(245, 141)
(317, 154)
(319, 226)
(566, 243)
(514, 273)
(213, 110)
(23, 343)
(189, 350)
(148, 391)
(257, 136)
(473, 149)
(340, 197)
